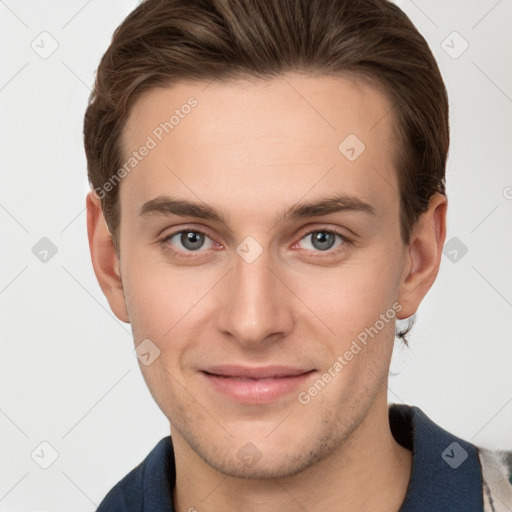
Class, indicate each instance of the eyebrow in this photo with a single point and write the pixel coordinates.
(165, 206)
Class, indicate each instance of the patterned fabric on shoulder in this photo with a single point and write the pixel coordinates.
(497, 479)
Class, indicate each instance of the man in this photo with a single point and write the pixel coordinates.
(267, 200)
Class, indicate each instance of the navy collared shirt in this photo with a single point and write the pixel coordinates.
(446, 472)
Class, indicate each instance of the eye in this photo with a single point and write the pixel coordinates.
(323, 240)
(190, 240)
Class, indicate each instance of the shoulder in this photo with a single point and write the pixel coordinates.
(450, 473)
(497, 479)
(126, 495)
(146, 487)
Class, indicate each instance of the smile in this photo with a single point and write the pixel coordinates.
(255, 385)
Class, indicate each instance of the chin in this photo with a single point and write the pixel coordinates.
(268, 467)
(262, 459)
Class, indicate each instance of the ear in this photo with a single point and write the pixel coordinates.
(423, 256)
(104, 258)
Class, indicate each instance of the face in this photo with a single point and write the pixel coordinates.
(261, 256)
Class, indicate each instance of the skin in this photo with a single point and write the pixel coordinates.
(253, 149)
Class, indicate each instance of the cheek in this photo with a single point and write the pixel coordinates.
(353, 296)
(157, 295)
(160, 304)
(169, 306)
(358, 304)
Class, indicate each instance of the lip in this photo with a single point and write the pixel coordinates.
(255, 385)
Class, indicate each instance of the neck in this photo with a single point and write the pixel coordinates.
(370, 471)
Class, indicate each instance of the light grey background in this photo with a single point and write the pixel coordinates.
(68, 376)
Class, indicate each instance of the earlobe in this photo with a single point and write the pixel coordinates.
(104, 258)
(424, 255)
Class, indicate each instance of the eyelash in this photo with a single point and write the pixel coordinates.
(190, 254)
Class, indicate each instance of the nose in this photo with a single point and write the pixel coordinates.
(256, 307)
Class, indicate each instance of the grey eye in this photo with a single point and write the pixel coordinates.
(188, 240)
(322, 240)
(192, 240)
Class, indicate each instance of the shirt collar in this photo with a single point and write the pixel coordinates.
(446, 473)
(159, 478)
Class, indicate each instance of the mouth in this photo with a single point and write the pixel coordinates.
(255, 385)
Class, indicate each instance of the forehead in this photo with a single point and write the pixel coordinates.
(271, 139)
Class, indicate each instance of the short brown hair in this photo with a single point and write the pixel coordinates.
(164, 41)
